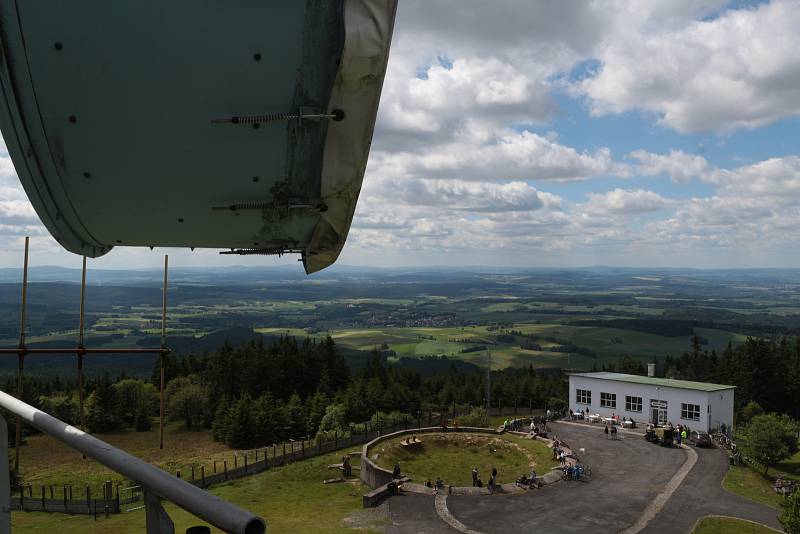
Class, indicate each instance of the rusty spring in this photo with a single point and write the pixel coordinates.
(336, 115)
(275, 251)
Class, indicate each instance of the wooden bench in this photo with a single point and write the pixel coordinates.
(374, 497)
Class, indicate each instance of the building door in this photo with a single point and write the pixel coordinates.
(658, 412)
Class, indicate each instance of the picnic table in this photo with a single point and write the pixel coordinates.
(578, 415)
(593, 418)
(410, 442)
(627, 424)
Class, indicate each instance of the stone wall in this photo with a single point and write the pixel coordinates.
(375, 476)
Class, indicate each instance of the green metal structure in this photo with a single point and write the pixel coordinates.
(241, 125)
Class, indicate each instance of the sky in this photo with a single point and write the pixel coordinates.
(561, 134)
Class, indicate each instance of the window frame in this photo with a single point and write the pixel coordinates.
(692, 414)
(583, 396)
(608, 400)
(629, 405)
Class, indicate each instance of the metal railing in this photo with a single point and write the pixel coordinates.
(157, 484)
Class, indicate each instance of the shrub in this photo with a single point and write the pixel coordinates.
(477, 417)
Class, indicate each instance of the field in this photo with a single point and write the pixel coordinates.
(45, 461)
(283, 496)
(545, 318)
(729, 525)
(752, 484)
(452, 457)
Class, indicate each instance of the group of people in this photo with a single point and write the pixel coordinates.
(559, 452)
(529, 481)
(513, 424)
(478, 483)
(613, 431)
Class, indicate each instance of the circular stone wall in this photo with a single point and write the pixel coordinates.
(452, 455)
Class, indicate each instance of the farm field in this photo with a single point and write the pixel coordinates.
(573, 318)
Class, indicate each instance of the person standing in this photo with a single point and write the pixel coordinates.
(474, 477)
(605, 431)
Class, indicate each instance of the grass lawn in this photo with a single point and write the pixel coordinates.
(749, 483)
(292, 499)
(729, 525)
(452, 456)
(44, 460)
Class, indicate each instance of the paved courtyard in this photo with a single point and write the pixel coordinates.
(627, 474)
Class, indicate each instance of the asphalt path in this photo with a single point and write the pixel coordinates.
(627, 474)
(702, 494)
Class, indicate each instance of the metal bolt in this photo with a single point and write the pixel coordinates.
(73, 119)
(58, 46)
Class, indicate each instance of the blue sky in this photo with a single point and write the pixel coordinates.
(640, 133)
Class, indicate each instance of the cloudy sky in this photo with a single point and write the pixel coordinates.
(560, 133)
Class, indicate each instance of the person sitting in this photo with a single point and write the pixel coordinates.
(534, 479)
(428, 484)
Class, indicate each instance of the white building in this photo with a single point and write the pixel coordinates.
(647, 399)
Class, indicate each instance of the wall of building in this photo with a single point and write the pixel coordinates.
(674, 397)
(721, 403)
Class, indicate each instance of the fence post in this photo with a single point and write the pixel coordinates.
(245, 462)
(256, 455)
(43, 507)
(283, 456)
(303, 448)
(88, 499)
(178, 473)
(335, 439)
(192, 471)
(65, 498)
(21, 497)
(225, 467)
(235, 462)
(203, 474)
(215, 467)
(405, 422)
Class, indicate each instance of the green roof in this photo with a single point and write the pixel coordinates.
(652, 381)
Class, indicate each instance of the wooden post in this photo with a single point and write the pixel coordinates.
(43, 505)
(225, 467)
(235, 462)
(245, 462)
(21, 356)
(163, 355)
(215, 466)
(203, 474)
(192, 471)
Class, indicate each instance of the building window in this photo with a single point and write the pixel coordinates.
(690, 411)
(583, 396)
(608, 400)
(633, 404)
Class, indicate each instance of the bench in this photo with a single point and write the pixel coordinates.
(374, 497)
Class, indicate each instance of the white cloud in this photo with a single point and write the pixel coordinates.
(678, 165)
(625, 201)
(739, 70)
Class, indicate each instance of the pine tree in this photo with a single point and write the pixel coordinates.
(241, 429)
(103, 407)
(142, 422)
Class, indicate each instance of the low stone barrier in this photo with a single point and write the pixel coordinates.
(374, 497)
(375, 476)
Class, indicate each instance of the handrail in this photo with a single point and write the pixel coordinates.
(218, 512)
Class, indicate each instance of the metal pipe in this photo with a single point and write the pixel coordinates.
(82, 351)
(21, 352)
(162, 356)
(222, 514)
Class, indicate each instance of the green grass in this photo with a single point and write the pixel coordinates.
(452, 456)
(292, 499)
(750, 484)
(729, 525)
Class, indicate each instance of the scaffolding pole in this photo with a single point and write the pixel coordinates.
(21, 352)
(81, 347)
(163, 355)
